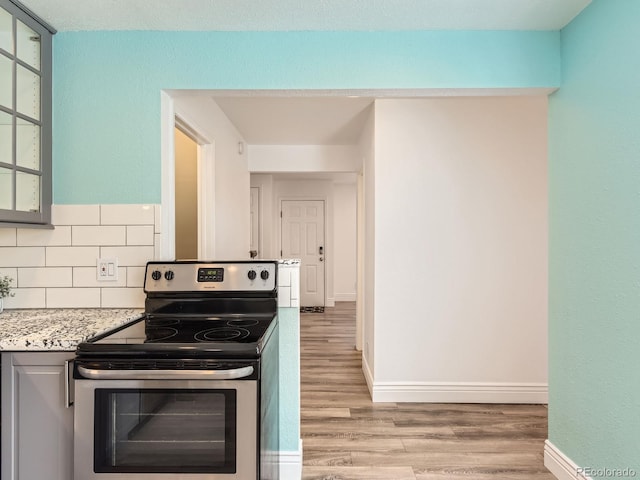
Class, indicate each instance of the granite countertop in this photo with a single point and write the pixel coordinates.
(289, 261)
(58, 329)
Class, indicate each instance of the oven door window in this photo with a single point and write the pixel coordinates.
(165, 431)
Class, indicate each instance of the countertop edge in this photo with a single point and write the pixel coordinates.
(59, 330)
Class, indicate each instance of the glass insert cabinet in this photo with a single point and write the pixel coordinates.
(25, 118)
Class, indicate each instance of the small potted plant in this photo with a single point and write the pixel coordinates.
(5, 290)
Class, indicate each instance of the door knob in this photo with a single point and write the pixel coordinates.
(321, 259)
(321, 250)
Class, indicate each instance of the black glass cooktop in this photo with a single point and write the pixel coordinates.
(163, 336)
(228, 328)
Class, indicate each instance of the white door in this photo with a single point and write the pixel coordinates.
(303, 238)
(254, 243)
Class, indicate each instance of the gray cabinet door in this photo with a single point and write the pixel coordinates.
(37, 426)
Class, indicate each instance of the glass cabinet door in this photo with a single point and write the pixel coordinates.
(25, 118)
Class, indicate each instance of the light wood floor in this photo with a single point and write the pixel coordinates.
(346, 436)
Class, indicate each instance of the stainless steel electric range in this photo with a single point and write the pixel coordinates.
(191, 390)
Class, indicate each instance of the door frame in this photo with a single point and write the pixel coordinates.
(171, 118)
(259, 220)
(328, 235)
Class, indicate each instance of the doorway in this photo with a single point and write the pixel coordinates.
(302, 236)
(217, 116)
(186, 185)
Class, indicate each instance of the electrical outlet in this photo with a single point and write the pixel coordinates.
(107, 269)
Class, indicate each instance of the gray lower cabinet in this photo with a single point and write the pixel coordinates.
(37, 424)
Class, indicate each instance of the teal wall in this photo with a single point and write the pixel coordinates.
(106, 101)
(289, 323)
(594, 291)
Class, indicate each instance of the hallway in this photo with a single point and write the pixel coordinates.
(347, 437)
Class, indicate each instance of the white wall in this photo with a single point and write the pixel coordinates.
(344, 234)
(366, 292)
(304, 158)
(460, 249)
(228, 179)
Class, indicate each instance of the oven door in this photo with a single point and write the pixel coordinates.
(127, 429)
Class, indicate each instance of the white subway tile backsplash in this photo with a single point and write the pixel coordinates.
(44, 277)
(43, 238)
(284, 276)
(127, 214)
(295, 284)
(22, 256)
(140, 235)
(7, 237)
(27, 298)
(11, 273)
(73, 297)
(135, 276)
(99, 235)
(57, 268)
(87, 277)
(75, 214)
(158, 219)
(123, 298)
(284, 296)
(128, 256)
(72, 256)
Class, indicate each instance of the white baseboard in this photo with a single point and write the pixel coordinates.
(330, 302)
(291, 464)
(345, 297)
(561, 466)
(454, 392)
(368, 376)
(459, 392)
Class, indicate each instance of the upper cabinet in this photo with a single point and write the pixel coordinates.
(25, 118)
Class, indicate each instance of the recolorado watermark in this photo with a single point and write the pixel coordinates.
(594, 472)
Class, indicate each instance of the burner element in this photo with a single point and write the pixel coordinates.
(222, 334)
(162, 322)
(242, 323)
(160, 334)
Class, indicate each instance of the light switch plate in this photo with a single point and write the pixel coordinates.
(107, 269)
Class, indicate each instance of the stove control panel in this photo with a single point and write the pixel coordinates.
(215, 276)
(210, 274)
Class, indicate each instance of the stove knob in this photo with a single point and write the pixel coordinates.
(168, 275)
(251, 274)
(264, 274)
(156, 275)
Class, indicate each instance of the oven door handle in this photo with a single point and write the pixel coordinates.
(98, 374)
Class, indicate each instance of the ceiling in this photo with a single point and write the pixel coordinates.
(304, 15)
(297, 120)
